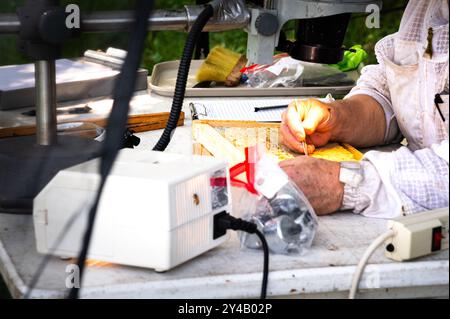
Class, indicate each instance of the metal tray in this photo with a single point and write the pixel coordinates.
(164, 76)
(72, 84)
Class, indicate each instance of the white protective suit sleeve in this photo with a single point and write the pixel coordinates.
(402, 182)
(373, 83)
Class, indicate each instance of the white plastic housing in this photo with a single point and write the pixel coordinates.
(156, 211)
(418, 235)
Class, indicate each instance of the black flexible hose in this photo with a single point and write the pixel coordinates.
(183, 72)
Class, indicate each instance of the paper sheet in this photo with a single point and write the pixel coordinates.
(243, 109)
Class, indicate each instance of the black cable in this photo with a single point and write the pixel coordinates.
(117, 121)
(182, 76)
(227, 221)
(265, 247)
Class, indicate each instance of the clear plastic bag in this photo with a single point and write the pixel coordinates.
(280, 210)
(284, 72)
(288, 72)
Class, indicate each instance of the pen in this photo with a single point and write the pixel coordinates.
(75, 110)
(266, 108)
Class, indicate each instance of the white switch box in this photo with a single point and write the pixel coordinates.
(418, 235)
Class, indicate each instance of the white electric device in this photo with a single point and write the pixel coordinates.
(157, 209)
(418, 235)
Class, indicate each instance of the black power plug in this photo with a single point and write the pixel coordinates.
(219, 230)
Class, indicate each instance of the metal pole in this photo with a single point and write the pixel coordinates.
(113, 21)
(45, 77)
(123, 21)
(9, 23)
(176, 20)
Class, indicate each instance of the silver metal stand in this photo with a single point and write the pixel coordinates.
(45, 76)
(120, 21)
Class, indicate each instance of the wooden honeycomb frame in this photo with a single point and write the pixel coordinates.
(228, 139)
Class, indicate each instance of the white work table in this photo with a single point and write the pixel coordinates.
(229, 271)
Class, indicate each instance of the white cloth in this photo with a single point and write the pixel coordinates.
(414, 178)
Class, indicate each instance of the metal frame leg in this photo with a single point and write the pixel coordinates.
(45, 76)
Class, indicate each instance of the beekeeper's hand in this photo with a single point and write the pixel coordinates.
(306, 120)
(319, 181)
(358, 120)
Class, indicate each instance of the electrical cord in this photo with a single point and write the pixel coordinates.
(123, 93)
(226, 221)
(266, 263)
(364, 259)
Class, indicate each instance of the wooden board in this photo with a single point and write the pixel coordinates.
(144, 115)
(212, 137)
(137, 123)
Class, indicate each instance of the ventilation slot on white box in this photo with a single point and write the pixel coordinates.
(192, 199)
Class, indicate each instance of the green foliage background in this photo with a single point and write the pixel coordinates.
(168, 45)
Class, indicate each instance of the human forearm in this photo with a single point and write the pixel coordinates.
(319, 181)
(358, 120)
